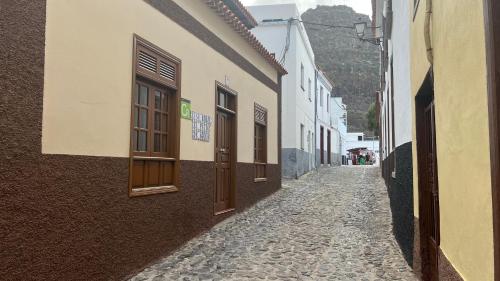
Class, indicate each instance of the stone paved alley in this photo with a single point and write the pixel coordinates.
(329, 225)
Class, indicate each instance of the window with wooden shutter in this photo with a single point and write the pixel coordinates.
(154, 151)
(260, 142)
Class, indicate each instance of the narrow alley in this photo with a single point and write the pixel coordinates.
(334, 224)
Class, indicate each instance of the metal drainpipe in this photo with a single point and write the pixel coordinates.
(315, 115)
(427, 31)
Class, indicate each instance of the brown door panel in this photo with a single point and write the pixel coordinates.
(223, 163)
(428, 186)
(329, 147)
(433, 260)
(429, 194)
(322, 145)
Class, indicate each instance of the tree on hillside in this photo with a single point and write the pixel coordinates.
(371, 118)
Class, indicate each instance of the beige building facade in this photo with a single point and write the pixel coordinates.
(143, 123)
(453, 176)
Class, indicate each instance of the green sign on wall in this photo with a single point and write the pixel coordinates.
(186, 109)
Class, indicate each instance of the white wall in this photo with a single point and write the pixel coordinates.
(304, 106)
(337, 114)
(399, 70)
(386, 114)
(354, 136)
(323, 114)
(273, 37)
(402, 84)
(297, 108)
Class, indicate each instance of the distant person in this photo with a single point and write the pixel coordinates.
(362, 160)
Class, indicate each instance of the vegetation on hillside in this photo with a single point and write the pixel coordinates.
(351, 64)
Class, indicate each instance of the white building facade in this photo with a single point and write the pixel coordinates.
(339, 124)
(395, 104)
(359, 140)
(328, 136)
(281, 32)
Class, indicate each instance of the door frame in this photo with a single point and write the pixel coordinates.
(234, 143)
(322, 144)
(492, 34)
(329, 146)
(423, 99)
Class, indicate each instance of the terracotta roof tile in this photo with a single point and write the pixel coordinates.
(235, 22)
(246, 16)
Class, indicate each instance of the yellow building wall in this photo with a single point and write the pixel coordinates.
(88, 76)
(462, 135)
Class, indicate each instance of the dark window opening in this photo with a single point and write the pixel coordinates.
(260, 142)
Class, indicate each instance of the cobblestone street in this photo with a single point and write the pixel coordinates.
(329, 225)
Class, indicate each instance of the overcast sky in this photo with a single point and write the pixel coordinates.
(360, 6)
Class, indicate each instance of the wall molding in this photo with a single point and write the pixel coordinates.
(175, 13)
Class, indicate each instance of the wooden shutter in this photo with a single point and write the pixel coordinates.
(155, 126)
(260, 142)
(155, 66)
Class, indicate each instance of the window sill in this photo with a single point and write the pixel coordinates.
(136, 192)
(260, 180)
(146, 158)
(225, 211)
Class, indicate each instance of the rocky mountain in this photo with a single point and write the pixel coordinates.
(351, 64)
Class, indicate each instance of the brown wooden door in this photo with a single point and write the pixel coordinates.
(428, 187)
(492, 8)
(223, 162)
(329, 147)
(431, 192)
(322, 144)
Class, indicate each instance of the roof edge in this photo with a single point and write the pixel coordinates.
(243, 13)
(235, 22)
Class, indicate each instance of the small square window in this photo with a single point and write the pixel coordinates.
(321, 96)
(302, 76)
(302, 136)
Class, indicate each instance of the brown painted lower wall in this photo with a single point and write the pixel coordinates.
(69, 217)
(446, 270)
(78, 223)
(249, 192)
